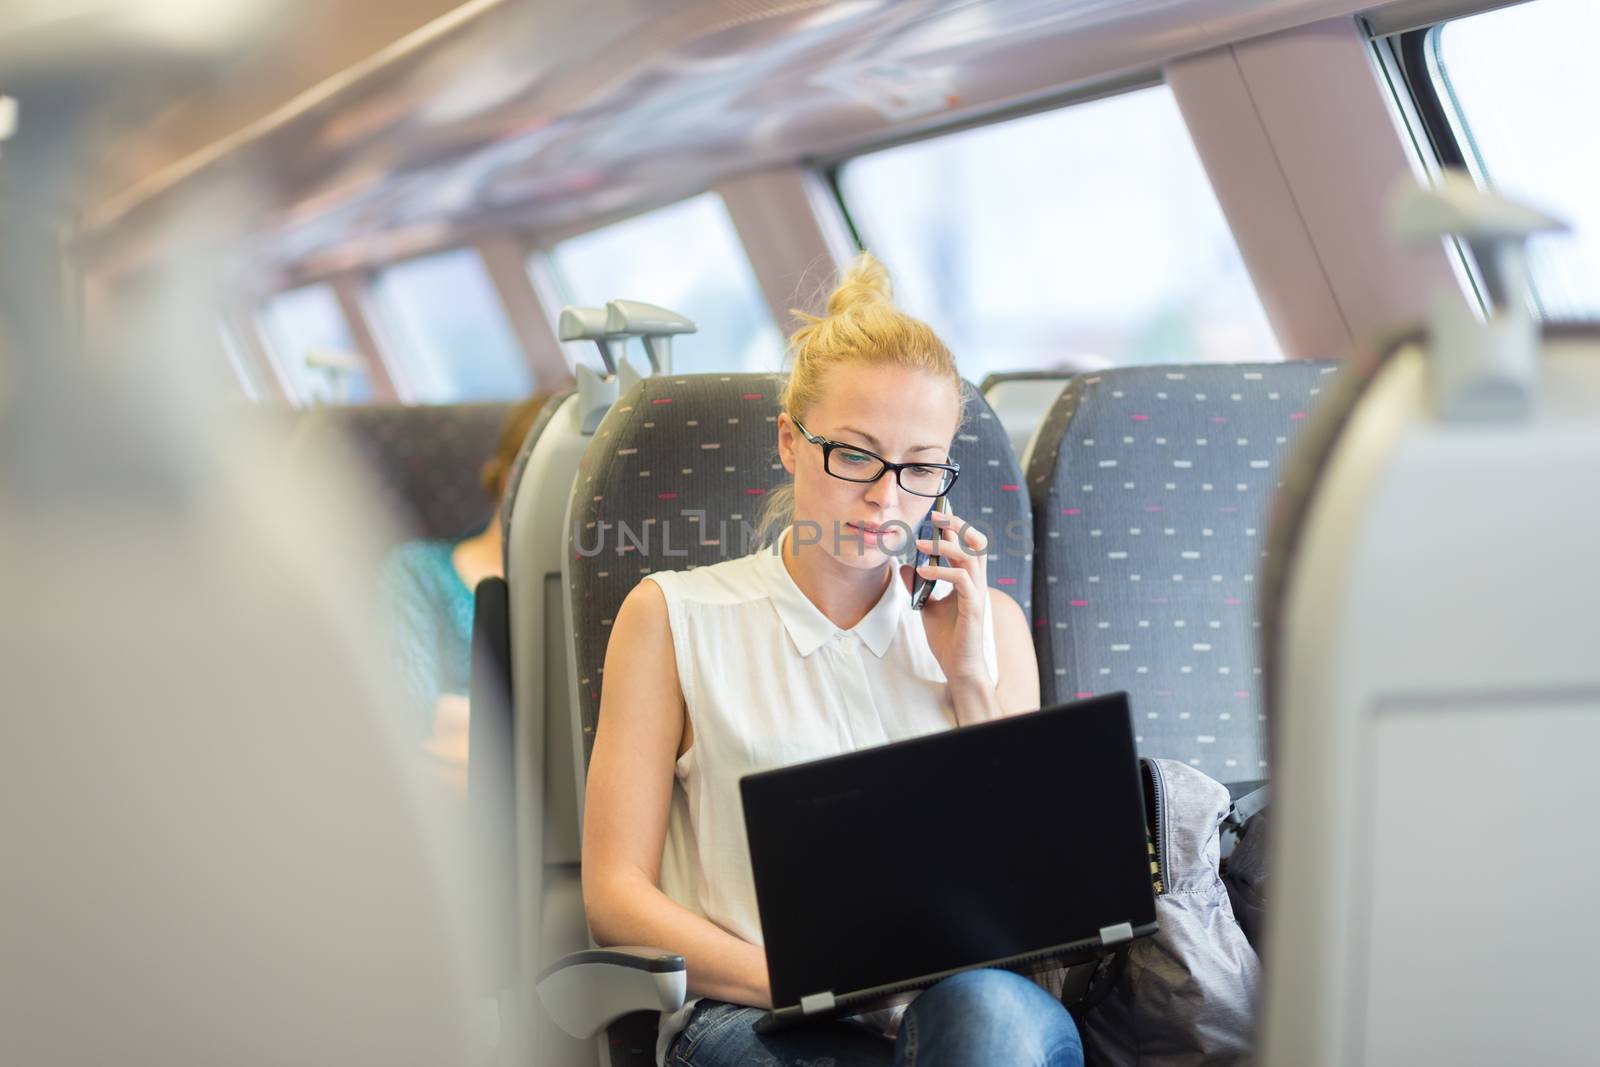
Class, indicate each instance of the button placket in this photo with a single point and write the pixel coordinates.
(860, 711)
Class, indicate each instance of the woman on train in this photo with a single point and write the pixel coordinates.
(428, 591)
(714, 673)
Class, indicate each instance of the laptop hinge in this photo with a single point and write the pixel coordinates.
(1116, 934)
(818, 1002)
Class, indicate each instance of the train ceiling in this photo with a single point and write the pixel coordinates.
(503, 113)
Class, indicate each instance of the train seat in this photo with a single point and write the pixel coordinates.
(422, 461)
(1021, 400)
(1434, 700)
(538, 763)
(491, 778)
(1150, 488)
(1433, 689)
(524, 796)
(216, 836)
(682, 462)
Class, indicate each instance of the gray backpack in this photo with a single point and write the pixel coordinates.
(1185, 995)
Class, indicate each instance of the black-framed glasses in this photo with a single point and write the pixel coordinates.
(852, 464)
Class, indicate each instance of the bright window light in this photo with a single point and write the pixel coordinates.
(1077, 238)
(311, 348)
(445, 332)
(686, 257)
(1525, 89)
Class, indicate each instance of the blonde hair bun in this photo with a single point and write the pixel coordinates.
(865, 283)
(862, 326)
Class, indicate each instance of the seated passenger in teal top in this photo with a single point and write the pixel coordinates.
(427, 589)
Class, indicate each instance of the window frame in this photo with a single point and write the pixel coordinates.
(1419, 57)
(829, 167)
(1417, 52)
(1406, 59)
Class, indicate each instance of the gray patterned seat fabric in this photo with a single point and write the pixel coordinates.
(424, 461)
(675, 479)
(1150, 486)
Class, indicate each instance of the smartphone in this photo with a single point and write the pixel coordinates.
(922, 588)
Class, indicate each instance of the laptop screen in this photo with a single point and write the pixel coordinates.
(947, 851)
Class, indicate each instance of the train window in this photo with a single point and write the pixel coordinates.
(686, 257)
(1521, 82)
(1082, 237)
(311, 348)
(445, 333)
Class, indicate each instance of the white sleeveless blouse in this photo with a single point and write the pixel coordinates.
(768, 681)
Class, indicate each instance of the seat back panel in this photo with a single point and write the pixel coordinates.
(1150, 486)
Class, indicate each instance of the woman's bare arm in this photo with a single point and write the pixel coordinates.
(1018, 686)
(628, 797)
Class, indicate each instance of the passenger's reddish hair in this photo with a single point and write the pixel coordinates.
(512, 433)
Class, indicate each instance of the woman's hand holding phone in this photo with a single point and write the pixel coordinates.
(922, 588)
(955, 623)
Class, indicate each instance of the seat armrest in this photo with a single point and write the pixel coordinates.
(586, 991)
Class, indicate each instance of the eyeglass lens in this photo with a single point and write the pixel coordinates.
(855, 466)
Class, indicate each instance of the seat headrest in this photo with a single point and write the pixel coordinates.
(424, 461)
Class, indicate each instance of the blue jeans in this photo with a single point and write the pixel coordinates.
(984, 1018)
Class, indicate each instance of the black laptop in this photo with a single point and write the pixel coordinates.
(1018, 843)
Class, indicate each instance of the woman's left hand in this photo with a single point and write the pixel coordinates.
(955, 623)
